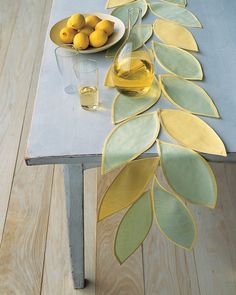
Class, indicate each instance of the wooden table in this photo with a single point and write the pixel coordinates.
(63, 133)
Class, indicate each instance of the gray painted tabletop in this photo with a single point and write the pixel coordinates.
(60, 128)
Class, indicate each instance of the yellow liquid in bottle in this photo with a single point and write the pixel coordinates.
(133, 75)
(88, 97)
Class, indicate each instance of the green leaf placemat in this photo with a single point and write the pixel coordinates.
(115, 3)
(175, 13)
(188, 174)
(125, 106)
(173, 217)
(177, 61)
(178, 2)
(139, 34)
(133, 228)
(129, 139)
(188, 96)
(122, 11)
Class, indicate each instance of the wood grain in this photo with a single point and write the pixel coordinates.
(215, 252)
(111, 277)
(57, 277)
(23, 243)
(8, 16)
(15, 80)
(168, 269)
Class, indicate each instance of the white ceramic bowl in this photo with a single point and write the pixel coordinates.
(119, 30)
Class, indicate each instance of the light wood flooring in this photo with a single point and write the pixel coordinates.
(34, 253)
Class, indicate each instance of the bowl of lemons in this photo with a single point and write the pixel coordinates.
(88, 33)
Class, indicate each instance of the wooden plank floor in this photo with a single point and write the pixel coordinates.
(34, 253)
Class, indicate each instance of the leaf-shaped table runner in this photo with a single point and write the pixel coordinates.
(133, 228)
(122, 11)
(188, 96)
(145, 31)
(174, 34)
(125, 106)
(173, 217)
(188, 174)
(128, 186)
(175, 13)
(177, 61)
(115, 3)
(129, 139)
(192, 132)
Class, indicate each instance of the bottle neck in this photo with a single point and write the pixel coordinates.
(135, 19)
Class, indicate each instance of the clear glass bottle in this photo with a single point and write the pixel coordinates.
(133, 70)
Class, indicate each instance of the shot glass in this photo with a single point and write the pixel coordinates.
(86, 71)
(66, 59)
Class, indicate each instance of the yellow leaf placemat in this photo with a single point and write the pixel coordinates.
(192, 132)
(128, 186)
(108, 82)
(174, 34)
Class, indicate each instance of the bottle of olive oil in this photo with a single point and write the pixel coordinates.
(132, 70)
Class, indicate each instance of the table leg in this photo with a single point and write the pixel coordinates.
(74, 177)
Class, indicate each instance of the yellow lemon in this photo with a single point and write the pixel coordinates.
(87, 30)
(92, 20)
(81, 41)
(106, 25)
(98, 38)
(76, 21)
(67, 35)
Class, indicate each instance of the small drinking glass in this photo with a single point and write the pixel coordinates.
(66, 59)
(86, 71)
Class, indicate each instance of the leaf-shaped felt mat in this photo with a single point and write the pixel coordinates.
(115, 3)
(188, 174)
(125, 106)
(192, 132)
(182, 3)
(133, 228)
(128, 186)
(108, 82)
(175, 13)
(174, 34)
(129, 140)
(173, 217)
(122, 11)
(177, 61)
(111, 52)
(188, 96)
(138, 35)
